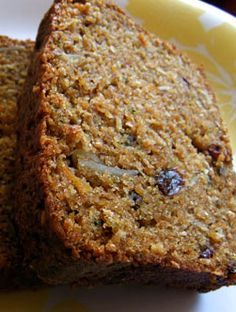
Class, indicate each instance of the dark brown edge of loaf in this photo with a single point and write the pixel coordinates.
(15, 275)
(52, 233)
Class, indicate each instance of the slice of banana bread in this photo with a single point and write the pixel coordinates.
(126, 165)
(14, 60)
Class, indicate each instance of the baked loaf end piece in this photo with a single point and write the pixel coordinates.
(128, 162)
(14, 61)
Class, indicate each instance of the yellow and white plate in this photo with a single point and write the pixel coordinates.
(208, 35)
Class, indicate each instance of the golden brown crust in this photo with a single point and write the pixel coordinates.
(129, 160)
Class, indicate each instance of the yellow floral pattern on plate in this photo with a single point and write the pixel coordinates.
(209, 41)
